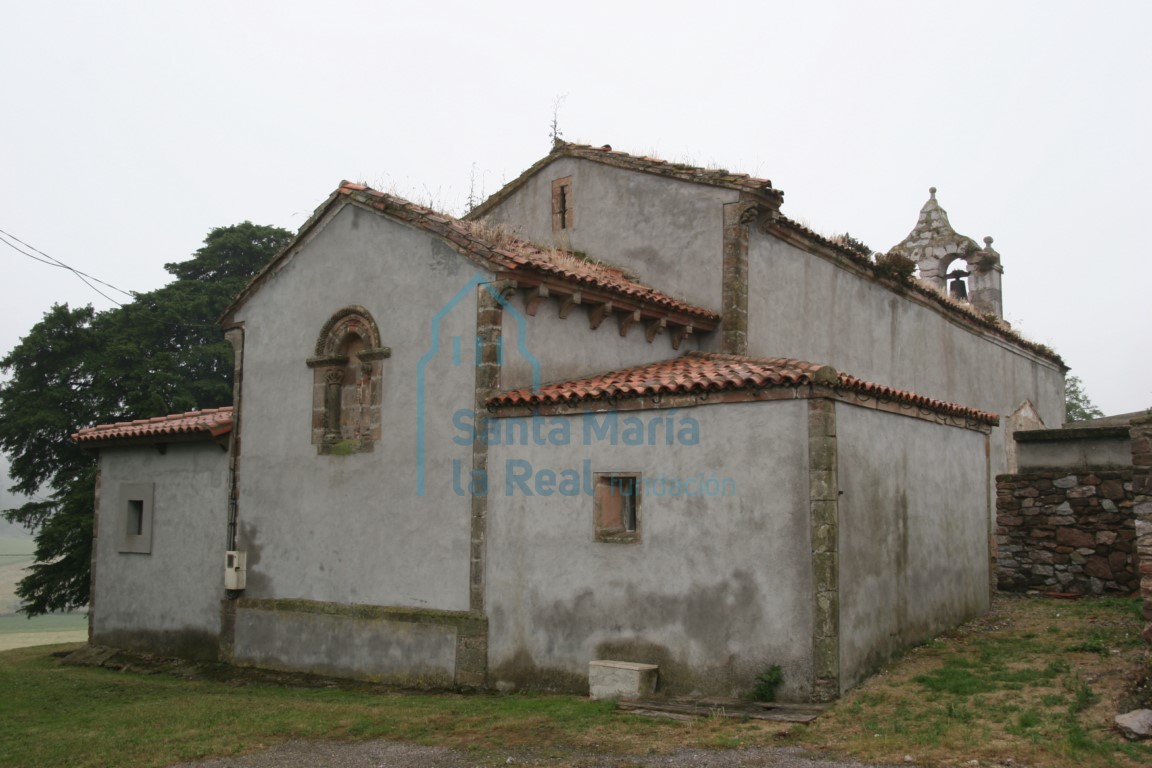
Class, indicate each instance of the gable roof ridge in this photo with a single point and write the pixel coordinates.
(720, 177)
(605, 155)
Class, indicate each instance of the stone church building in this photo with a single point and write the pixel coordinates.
(623, 410)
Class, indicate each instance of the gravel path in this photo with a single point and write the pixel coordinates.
(386, 754)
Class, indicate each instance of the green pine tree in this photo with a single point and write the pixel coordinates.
(1077, 405)
(161, 353)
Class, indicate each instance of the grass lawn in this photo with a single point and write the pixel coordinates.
(68, 716)
(1036, 680)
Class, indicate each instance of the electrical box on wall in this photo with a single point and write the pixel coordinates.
(235, 569)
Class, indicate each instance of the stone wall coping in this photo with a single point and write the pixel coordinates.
(1075, 433)
(632, 665)
(469, 621)
(1103, 472)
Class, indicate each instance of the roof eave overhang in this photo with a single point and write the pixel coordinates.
(131, 441)
(615, 302)
(576, 406)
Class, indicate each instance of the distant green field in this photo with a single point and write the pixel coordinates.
(55, 622)
(15, 556)
(22, 548)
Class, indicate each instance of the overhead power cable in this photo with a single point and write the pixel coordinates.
(52, 261)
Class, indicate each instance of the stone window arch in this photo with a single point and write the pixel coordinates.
(347, 373)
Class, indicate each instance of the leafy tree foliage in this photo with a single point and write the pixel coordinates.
(161, 353)
(1077, 405)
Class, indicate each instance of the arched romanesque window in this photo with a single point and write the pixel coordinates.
(347, 371)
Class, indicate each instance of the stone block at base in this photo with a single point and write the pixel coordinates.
(621, 679)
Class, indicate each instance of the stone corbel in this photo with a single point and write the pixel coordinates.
(767, 219)
(751, 214)
(567, 304)
(655, 327)
(533, 299)
(627, 319)
(597, 314)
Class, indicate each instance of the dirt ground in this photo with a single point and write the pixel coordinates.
(385, 754)
(30, 639)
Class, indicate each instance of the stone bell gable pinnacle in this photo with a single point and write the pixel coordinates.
(952, 263)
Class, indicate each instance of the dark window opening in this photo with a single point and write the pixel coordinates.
(135, 517)
(617, 507)
(562, 213)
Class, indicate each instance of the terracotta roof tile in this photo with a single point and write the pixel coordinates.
(514, 256)
(852, 384)
(705, 372)
(211, 422)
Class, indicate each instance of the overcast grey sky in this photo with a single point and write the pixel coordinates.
(132, 128)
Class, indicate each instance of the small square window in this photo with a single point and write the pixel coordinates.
(135, 518)
(617, 507)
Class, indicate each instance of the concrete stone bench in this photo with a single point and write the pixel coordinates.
(621, 679)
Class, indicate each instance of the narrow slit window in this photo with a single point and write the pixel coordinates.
(135, 517)
(562, 212)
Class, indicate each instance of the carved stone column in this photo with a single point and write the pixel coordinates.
(333, 394)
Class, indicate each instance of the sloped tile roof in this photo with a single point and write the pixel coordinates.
(211, 422)
(854, 385)
(709, 372)
(781, 223)
(514, 256)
